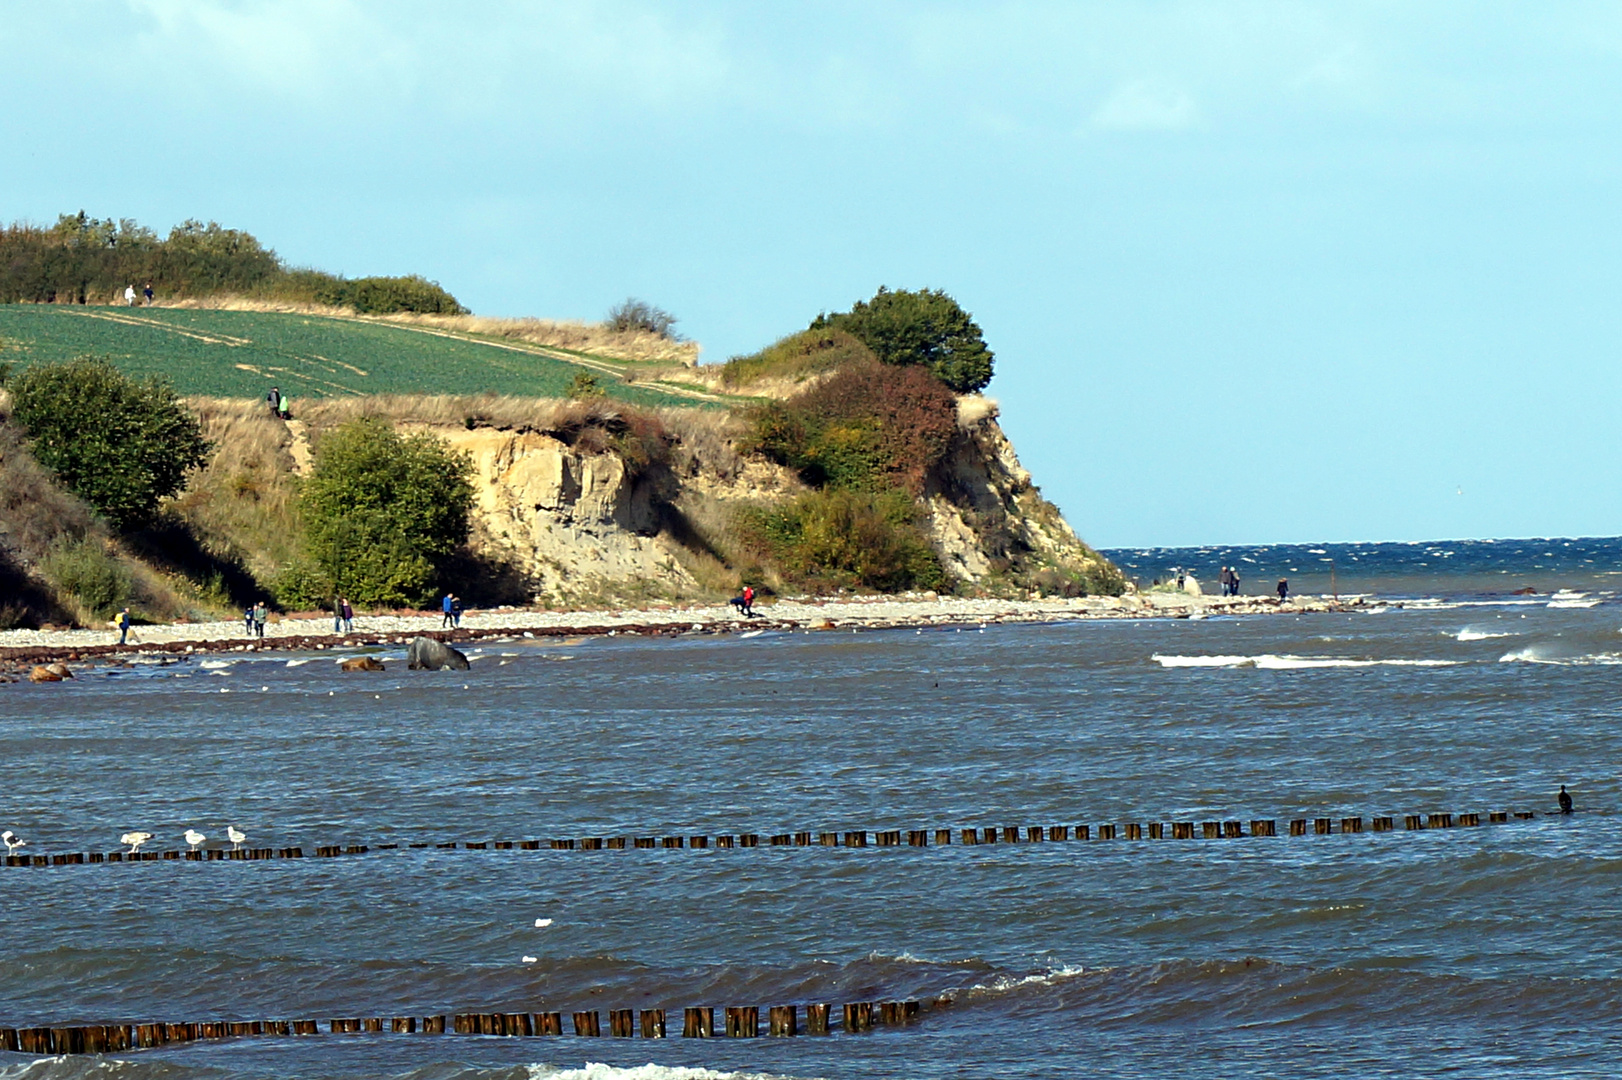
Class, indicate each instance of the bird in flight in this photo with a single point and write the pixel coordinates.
(135, 840)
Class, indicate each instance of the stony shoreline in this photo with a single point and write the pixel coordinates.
(21, 649)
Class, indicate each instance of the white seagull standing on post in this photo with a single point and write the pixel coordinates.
(236, 836)
(135, 840)
(12, 841)
(193, 837)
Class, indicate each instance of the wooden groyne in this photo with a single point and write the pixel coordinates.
(697, 1022)
(856, 838)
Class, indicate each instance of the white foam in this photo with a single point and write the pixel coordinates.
(1003, 983)
(596, 1070)
(212, 665)
(1573, 603)
(1200, 661)
(302, 661)
(1468, 634)
(1535, 654)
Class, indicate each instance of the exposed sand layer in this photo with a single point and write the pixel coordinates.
(20, 649)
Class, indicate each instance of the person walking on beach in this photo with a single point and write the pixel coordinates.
(1283, 590)
(446, 606)
(338, 615)
(259, 619)
(347, 612)
(124, 630)
(1223, 580)
(456, 611)
(1233, 581)
(247, 622)
(749, 601)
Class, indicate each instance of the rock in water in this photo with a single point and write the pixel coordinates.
(426, 654)
(364, 663)
(42, 673)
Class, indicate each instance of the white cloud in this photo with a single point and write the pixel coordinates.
(1145, 105)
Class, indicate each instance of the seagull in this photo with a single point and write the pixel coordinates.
(236, 836)
(1565, 800)
(193, 837)
(12, 841)
(135, 840)
(543, 922)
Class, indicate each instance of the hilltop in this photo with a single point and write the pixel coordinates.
(314, 353)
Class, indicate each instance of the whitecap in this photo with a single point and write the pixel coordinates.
(1468, 634)
(211, 665)
(301, 661)
(596, 1070)
(1199, 661)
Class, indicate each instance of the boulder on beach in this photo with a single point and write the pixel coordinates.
(49, 673)
(426, 654)
(361, 663)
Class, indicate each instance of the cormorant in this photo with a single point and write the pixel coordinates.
(1565, 800)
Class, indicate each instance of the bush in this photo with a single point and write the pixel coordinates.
(383, 511)
(84, 570)
(584, 386)
(386, 295)
(869, 427)
(925, 327)
(828, 540)
(119, 444)
(637, 315)
(798, 356)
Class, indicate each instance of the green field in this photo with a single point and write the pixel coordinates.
(244, 353)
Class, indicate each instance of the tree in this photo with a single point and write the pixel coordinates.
(639, 315)
(119, 444)
(925, 327)
(384, 511)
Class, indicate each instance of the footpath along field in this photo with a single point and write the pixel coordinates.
(243, 353)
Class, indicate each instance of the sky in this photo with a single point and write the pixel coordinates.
(1253, 272)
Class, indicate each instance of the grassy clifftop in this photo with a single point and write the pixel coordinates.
(241, 354)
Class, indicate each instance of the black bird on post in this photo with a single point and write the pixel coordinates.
(1565, 800)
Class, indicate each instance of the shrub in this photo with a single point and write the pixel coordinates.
(869, 427)
(383, 511)
(583, 386)
(119, 444)
(798, 356)
(84, 570)
(386, 295)
(638, 315)
(925, 327)
(827, 540)
(597, 425)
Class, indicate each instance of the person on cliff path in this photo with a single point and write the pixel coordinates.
(1283, 590)
(347, 612)
(129, 296)
(259, 619)
(446, 606)
(274, 400)
(123, 625)
(146, 292)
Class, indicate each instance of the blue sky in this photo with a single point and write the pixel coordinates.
(1253, 271)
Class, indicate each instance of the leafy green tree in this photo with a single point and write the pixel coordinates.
(119, 444)
(384, 511)
(925, 327)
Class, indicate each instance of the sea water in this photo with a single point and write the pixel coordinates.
(1480, 952)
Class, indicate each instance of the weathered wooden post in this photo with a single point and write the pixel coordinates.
(1298, 827)
(1106, 832)
(1058, 832)
(1134, 831)
(943, 837)
(802, 839)
(1084, 832)
(653, 1023)
(1233, 830)
(748, 839)
(548, 1023)
(858, 1016)
(404, 1024)
(1381, 824)
(971, 836)
(743, 1021)
(433, 1025)
(1497, 817)
(784, 1021)
(816, 1019)
(1413, 821)
(1351, 825)
(856, 839)
(781, 839)
(1262, 827)
(724, 841)
(698, 1022)
(917, 838)
(588, 1024)
(672, 842)
(1323, 826)
(828, 839)
(622, 1023)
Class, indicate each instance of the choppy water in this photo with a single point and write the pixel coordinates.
(1485, 952)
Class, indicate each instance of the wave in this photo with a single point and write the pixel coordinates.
(1468, 634)
(1541, 654)
(1286, 662)
(597, 1071)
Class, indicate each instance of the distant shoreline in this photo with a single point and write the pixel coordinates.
(21, 649)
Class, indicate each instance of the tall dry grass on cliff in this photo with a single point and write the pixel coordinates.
(593, 338)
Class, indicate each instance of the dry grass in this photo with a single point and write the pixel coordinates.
(593, 338)
(243, 505)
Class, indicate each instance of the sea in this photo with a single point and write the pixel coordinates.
(1462, 677)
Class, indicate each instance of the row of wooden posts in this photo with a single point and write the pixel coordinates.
(1008, 834)
(740, 1022)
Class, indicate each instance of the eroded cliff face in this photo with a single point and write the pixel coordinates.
(584, 524)
(574, 521)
